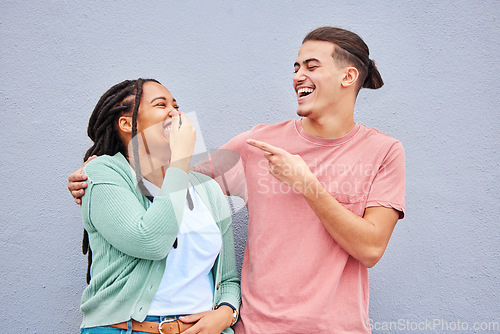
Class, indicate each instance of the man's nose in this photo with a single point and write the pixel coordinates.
(298, 76)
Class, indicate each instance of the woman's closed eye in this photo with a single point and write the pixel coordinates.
(163, 105)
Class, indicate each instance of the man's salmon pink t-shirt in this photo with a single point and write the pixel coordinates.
(295, 277)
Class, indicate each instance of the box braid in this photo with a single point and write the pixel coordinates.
(120, 99)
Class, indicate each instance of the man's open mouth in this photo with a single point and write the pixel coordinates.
(302, 92)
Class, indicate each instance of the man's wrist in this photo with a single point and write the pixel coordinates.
(311, 187)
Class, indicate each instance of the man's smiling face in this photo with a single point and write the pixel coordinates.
(317, 79)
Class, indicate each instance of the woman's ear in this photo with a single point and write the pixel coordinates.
(125, 124)
(351, 75)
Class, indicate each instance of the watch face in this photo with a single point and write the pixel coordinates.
(235, 315)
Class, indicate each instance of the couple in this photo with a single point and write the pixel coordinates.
(324, 195)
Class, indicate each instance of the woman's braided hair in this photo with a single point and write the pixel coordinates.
(123, 98)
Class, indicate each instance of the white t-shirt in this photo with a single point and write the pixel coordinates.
(187, 284)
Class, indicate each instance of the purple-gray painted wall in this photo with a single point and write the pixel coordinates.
(232, 64)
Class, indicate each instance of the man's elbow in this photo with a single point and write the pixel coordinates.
(371, 257)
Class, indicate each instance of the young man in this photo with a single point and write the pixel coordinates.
(324, 195)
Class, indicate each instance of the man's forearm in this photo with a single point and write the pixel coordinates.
(364, 238)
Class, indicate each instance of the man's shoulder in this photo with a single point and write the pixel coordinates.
(272, 132)
(375, 135)
(259, 132)
(264, 127)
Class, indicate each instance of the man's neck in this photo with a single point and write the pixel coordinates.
(328, 126)
(334, 122)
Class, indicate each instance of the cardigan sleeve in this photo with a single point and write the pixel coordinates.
(229, 289)
(112, 207)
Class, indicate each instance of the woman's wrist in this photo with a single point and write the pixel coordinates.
(227, 311)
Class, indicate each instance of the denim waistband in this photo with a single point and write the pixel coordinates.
(160, 318)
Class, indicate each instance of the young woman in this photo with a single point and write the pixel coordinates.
(161, 256)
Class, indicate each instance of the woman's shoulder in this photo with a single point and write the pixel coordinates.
(199, 176)
(209, 187)
(107, 167)
(213, 197)
(205, 181)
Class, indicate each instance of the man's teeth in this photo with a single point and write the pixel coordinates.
(304, 91)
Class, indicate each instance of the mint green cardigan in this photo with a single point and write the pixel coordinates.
(130, 242)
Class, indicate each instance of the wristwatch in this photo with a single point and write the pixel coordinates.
(235, 312)
(235, 317)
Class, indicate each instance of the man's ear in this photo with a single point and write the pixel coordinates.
(125, 124)
(351, 75)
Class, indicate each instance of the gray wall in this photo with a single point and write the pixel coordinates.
(233, 65)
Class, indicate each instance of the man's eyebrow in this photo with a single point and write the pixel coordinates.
(305, 62)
